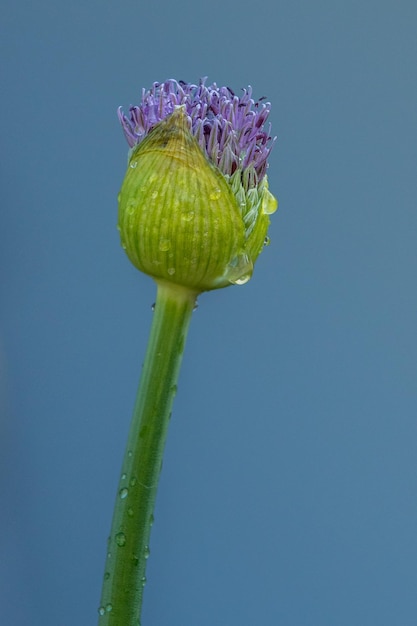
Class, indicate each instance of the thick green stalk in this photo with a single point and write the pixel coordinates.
(128, 544)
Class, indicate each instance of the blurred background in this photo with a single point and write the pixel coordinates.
(289, 488)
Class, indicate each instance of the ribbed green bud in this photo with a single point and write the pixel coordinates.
(181, 220)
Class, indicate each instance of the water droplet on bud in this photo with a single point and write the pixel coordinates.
(215, 194)
(269, 203)
(164, 245)
(242, 280)
(188, 216)
(239, 270)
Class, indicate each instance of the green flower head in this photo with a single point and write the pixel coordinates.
(194, 206)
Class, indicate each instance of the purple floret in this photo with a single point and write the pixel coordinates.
(229, 129)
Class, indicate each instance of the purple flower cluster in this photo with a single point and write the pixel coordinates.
(229, 129)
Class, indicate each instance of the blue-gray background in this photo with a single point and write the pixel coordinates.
(289, 488)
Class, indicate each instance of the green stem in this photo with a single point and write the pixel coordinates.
(128, 544)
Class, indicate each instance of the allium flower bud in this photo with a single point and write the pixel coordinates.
(194, 206)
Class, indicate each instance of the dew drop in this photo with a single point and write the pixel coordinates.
(109, 607)
(153, 309)
(188, 216)
(242, 280)
(131, 206)
(123, 493)
(171, 271)
(135, 560)
(269, 203)
(147, 552)
(215, 194)
(121, 539)
(107, 576)
(267, 241)
(164, 245)
(133, 481)
(143, 581)
(101, 610)
(123, 476)
(133, 164)
(151, 519)
(154, 194)
(130, 512)
(240, 270)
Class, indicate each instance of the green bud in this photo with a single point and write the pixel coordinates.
(180, 218)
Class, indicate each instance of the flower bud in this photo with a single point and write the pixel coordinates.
(194, 206)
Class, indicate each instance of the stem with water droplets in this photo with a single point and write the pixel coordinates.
(128, 544)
